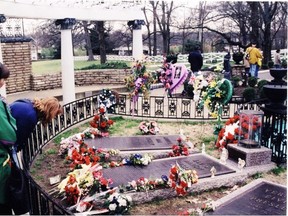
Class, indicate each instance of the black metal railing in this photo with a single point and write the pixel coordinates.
(83, 109)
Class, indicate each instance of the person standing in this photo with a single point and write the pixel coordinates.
(277, 59)
(196, 60)
(28, 112)
(7, 139)
(253, 54)
(227, 66)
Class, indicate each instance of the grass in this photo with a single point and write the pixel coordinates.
(54, 66)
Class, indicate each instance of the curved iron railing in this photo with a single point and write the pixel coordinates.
(83, 109)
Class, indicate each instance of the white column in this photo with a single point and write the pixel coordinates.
(67, 60)
(137, 48)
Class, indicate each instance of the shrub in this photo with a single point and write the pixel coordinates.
(260, 85)
(270, 64)
(252, 81)
(284, 63)
(110, 65)
(249, 94)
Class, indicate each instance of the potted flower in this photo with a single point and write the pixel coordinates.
(238, 57)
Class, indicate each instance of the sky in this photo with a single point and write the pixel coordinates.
(31, 24)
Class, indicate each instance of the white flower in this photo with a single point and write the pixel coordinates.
(122, 201)
(129, 199)
(112, 207)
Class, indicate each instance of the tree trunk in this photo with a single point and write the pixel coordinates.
(154, 30)
(102, 47)
(88, 42)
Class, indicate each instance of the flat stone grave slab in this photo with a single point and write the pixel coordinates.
(149, 142)
(257, 198)
(200, 162)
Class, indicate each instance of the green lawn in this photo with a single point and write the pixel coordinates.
(54, 66)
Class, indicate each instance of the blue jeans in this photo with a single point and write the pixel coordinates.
(253, 70)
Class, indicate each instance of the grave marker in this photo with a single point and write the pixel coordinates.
(258, 198)
(201, 163)
(133, 143)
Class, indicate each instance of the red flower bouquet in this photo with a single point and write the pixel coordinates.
(181, 179)
(229, 133)
(101, 122)
(179, 149)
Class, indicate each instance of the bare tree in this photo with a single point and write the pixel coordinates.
(88, 41)
(102, 47)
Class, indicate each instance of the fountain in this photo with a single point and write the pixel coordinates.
(276, 90)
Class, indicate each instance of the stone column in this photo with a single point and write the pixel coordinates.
(3, 89)
(137, 49)
(67, 60)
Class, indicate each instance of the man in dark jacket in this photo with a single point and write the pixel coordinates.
(196, 60)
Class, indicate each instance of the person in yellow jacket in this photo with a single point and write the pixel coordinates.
(253, 55)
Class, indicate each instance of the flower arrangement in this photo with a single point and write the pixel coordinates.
(229, 132)
(149, 128)
(108, 100)
(138, 159)
(179, 149)
(144, 184)
(101, 122)
(250, 127)
(181, 179)
(139, 81)
(214, 97)
(118, 203)
(79, 182)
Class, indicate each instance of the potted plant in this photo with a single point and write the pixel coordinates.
(237, 57)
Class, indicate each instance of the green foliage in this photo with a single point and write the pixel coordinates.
(284, 63)
(47, 53)
(109, 65)
(264, 66)
(51, 151)
(260, 85)
(192, 45)
(257, 175)
(249, 94)
(252, 81)
(278, 170)
(270, 64)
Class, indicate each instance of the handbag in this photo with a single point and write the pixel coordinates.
(17, 190)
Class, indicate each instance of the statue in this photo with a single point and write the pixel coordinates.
(241, 164)
(203, 148)
(213, 172)
(189, 143)
(224, 156)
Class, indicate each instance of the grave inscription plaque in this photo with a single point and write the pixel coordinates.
(201, 163)
(263, 199)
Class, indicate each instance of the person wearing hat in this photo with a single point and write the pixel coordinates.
(253, 55)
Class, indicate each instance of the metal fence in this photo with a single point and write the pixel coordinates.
(83, 109)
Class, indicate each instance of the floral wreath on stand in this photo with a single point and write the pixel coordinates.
(215, 95)
(138, 82)
(108, 99)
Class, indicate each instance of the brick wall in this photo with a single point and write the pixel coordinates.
(17, 57)
(82, 78)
